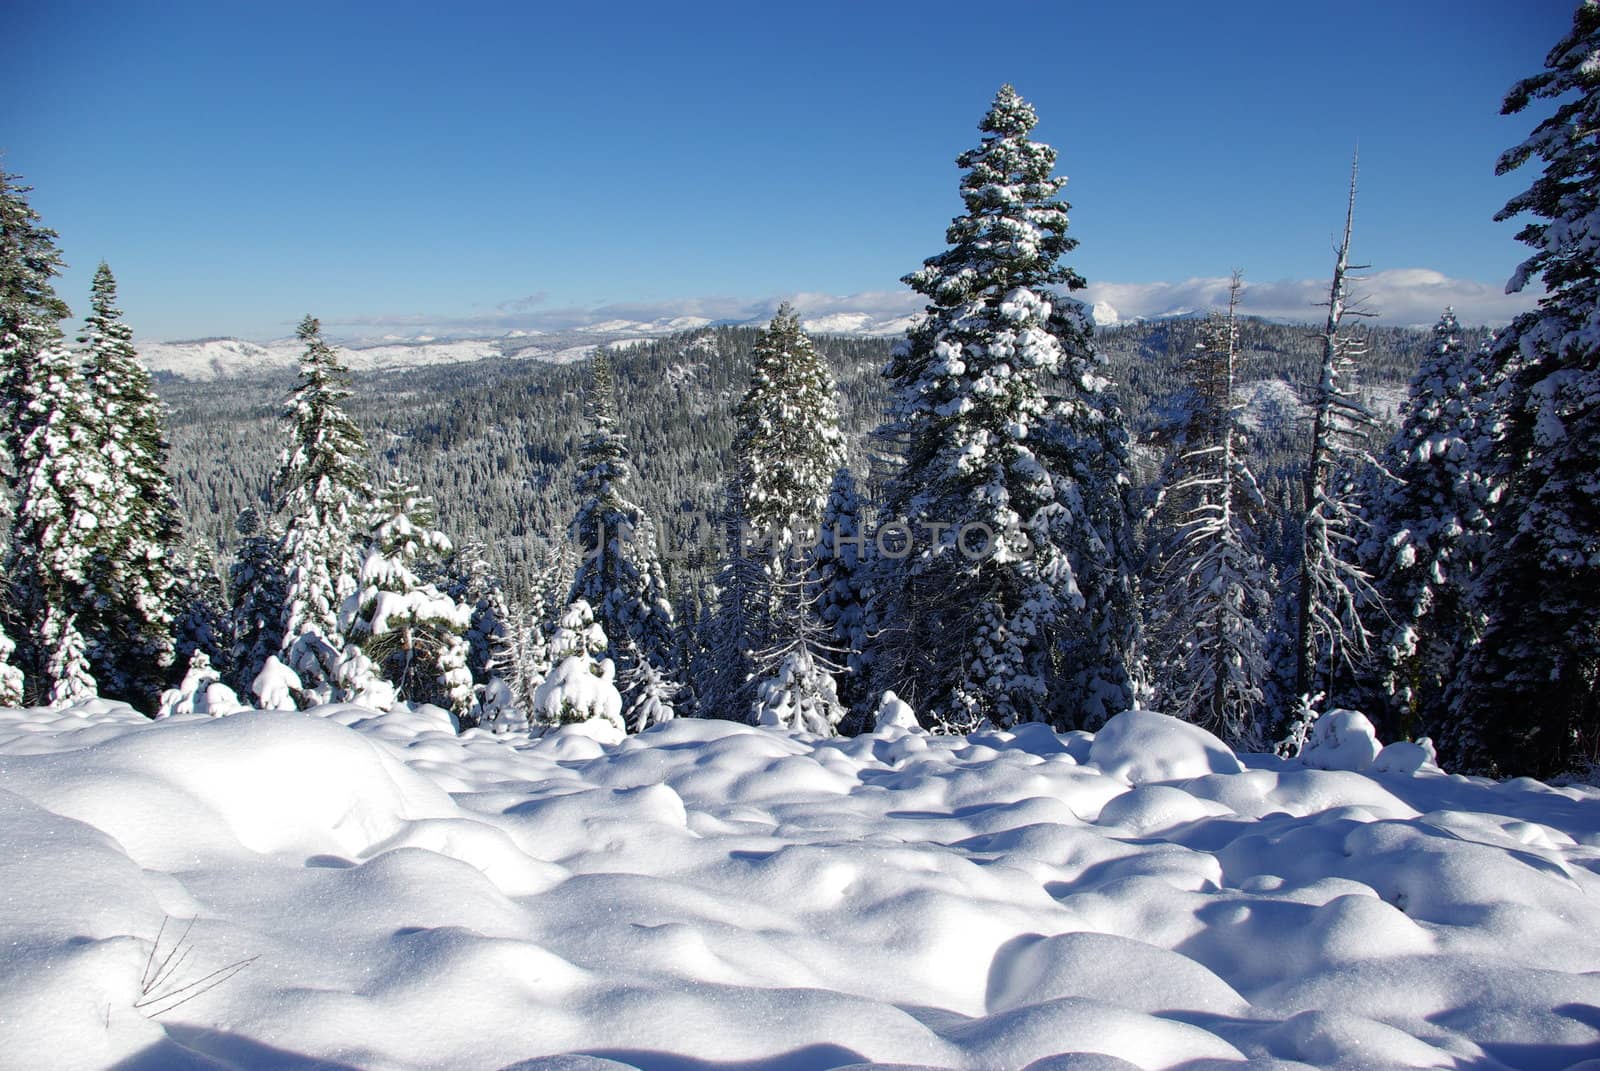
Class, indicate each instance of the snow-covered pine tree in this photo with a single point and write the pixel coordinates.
(411, 631)
(11, 679)
(68, 507)
(255, 597)
(1430, 522)
(322, 490)
(1333, 587)
(30, 314)
(30, 310)
(786, 448)
(1528, 698)
(837, 584)
(1211, 593)
(201, 621)
(581, 684)
(136, 579)
(66, 660)
(1014, 601)
(619, 573)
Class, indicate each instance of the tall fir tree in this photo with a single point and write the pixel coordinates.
(137, 581)
(30, 314)
(323, 493)
(1528, 697)
(69, 506)
(619, 573)
(1011, 596)
(1330, 634)
(1212, 592)
(787, 447)
(1429, 526)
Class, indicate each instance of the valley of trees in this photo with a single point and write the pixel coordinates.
(1007, 516)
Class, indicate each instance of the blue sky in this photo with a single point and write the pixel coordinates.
(395, 166)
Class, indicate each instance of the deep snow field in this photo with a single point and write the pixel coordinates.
(708, 895)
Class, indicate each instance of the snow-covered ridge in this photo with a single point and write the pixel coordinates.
(223, 358)
(388, 894)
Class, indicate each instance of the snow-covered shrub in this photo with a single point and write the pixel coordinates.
(276, 686)
(894, 713)
(579, 689)
(800, 695)
(1341, 740)
(202, 692)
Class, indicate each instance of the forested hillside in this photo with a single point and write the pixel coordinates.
(494, 440)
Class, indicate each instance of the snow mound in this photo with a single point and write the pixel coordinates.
(1141, 746)
(707, 894)
(1343, 740)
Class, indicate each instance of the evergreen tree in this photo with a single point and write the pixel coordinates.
(786, 450)
(619, 574)
(410, 630)
(322, 489)
(1430, 522)
(837, 585)
(30, 310)
(137, 577)
(200, 601)
(1214, 593)
(11, 679)
(256, 583)
(66, 659)
(1333, 587)
(1528, 699)
(1013, 597)
(68, 508)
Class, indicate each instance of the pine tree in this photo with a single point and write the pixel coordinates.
(31, 396)
(619, 574)
(837, 584)
(11, 679)
(1012, 599)
(787, 448)
(1528, 698)
(1333, 587)
(30, 310)
(256, 584)
(1430, 523)
(1211, 576)
(137, 579)
(66, 659)
(68, 508)
(322, 489)
(411, 631)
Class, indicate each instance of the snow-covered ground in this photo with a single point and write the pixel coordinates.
(380, 893)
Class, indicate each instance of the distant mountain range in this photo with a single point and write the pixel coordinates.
(206, 359)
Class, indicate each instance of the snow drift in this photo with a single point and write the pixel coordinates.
(709, 895)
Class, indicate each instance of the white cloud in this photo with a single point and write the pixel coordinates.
(1405, 296)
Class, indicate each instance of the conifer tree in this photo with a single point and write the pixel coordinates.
(1528, 698)
(410, 630)
(787, 447)
(1211, 578)
(1430, 522)
(322, 490)
(1013, 600)
(619, 575)
(11, 679)
(838, 586)
(68, 507)
(255, 597)
(137, 577)
(1333, 587)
